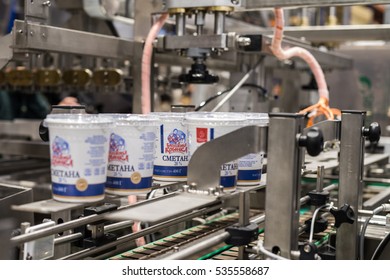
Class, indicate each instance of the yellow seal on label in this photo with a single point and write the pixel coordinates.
(135, 178)
(81, 184)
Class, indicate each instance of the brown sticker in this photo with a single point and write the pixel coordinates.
(136, 178)
(81, 184)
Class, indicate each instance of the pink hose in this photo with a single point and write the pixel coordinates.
(281, 54)
(146, 63)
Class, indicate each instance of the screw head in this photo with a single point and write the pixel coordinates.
(307, 248)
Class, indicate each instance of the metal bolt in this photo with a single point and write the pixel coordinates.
(20, 31)
(307, 248)
(185, 188)
(46, 4)
(235, 2)
(31, 33)
(176, 249)
(244, 41)
(211, 191)
(43, 35)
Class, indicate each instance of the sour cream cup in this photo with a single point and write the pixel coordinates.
(250, 166)
(131, 153)
(206, 126)
(79, 146)
(172, 154)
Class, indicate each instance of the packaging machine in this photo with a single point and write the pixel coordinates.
(323, 193)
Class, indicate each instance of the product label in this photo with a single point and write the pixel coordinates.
(249, 169)
(201, 135)
(172, 156)
(78, 162)
(60, 153)
(130, 160)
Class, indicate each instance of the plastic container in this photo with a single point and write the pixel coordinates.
(205, 126)
(250, 166)
(78, 156)
(131, 154)
(172, 154)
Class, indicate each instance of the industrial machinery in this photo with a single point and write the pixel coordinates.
(324, 190)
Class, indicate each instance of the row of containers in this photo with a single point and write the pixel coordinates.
(122, 154)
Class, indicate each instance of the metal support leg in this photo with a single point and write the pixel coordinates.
(243, 219)
(351, 183)
(283, 184)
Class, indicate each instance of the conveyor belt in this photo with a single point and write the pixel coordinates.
(231, 253)
(170, 243)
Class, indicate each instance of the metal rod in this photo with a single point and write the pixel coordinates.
(329, 188)
(119, 225)
(180, 24)
(200, 246)
(68, 238)
(132, 236)
(243, 219)
(55, 229)
(75, 223)
(236, 87)
(219, 23)
(320, 178)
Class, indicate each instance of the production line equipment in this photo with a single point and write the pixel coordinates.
(235, 225)
(197, 219)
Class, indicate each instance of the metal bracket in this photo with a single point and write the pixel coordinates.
(36, 10)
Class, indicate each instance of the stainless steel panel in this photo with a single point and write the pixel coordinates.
(36, 37)
(256, 4)
(14, 195)
(199, 3)
(190, 41)
(37, 10)
(28, 129)
(47, 206)
(351, 181)
(283, 184)
(5, 50)
(164, 208)
(26, 148)
(340, 33)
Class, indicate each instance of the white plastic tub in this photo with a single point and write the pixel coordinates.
(172, 154)
(250, 166)
(131, 154)
(206, 126)
(78, 156)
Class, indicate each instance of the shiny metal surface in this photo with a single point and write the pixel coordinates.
(221, 41)
(351, 181)
(5, 50)
(205, 173)
(199, 3)
(283, 184)
(30, 36)
(33, 149)
(255, 4)
(340, 33)
(20, 128)
(10, 195)
(165, 208)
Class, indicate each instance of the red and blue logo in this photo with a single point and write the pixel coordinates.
(118, 150)
(177, 142)
(61, 153)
